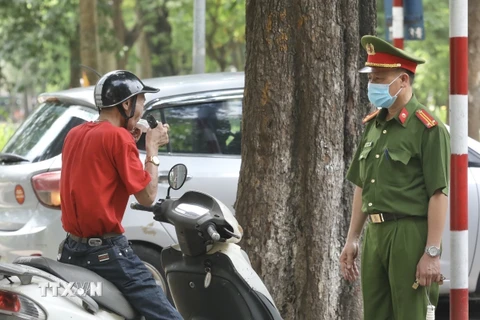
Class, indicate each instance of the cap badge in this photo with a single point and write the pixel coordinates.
(370, 49)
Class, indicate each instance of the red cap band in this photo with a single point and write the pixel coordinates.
(385, 60)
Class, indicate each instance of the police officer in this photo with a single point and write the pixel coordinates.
(401, 172)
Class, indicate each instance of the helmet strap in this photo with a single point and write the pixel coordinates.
(132, 112)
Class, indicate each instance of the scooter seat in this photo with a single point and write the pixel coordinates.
(111, 298)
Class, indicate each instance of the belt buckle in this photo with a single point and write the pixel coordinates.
(376, 218)
(95, 242)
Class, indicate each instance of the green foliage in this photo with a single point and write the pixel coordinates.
(432, 78)
(35, 37)
(38, 37)
(7, 130)
(225, 34)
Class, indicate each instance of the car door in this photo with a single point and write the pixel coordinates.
(205, 136)
(473, 225)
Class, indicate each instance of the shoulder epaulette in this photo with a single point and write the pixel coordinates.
(426, 118)
(370, 116)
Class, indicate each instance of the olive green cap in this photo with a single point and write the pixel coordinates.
(382, 54)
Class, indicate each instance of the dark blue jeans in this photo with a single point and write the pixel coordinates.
(126, 271)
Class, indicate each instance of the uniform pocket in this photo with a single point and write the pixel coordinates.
(402, 156)
(395, 167)
(364, 153)
(362, 162)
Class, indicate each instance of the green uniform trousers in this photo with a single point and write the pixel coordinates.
(391, 252)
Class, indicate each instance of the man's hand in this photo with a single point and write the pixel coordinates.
(348, 266)
(428, 270)
(156, 138)
(136, 133)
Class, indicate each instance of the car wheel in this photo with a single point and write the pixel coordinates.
(151, 258)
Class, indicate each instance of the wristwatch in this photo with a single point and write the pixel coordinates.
(153, 159)
(433, 251)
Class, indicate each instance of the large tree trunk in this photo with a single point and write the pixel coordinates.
(88, 37)
(474, 69)
(301, 122)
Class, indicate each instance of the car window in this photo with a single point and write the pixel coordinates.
(473, 158)
(42, 135)
(205, 128)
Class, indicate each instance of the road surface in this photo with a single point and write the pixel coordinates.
(443, 311)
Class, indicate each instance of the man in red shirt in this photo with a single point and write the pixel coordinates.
(100, 170)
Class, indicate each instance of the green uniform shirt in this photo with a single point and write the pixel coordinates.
(400, 163)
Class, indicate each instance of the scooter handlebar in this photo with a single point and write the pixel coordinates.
(212, 232)
(138, 206)
(160, 215)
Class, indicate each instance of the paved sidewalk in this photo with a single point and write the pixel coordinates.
(443, 311)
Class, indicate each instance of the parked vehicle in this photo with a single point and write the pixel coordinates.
(209, 275)
(204, 113)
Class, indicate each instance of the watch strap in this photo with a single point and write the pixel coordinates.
(436, 249)
(153, 159)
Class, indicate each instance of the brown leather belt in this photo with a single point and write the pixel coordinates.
(384, 217)
(94, 241)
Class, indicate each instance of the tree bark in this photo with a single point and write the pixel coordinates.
(301, 124)
(474, 69)
(88, 37)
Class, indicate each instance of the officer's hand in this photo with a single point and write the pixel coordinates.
(348, 266)
(428, 270)
(157, 137)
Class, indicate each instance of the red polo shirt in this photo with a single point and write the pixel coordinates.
(100, 170)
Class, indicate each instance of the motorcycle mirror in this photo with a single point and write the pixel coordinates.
(177, 177)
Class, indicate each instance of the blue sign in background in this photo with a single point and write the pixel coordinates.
(414, 28)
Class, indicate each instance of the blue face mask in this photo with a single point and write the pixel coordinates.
(379, 94)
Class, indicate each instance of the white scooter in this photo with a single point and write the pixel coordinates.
(209, 276)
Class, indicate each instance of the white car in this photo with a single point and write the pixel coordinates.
(204, 113)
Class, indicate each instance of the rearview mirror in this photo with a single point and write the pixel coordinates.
(177, 176)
